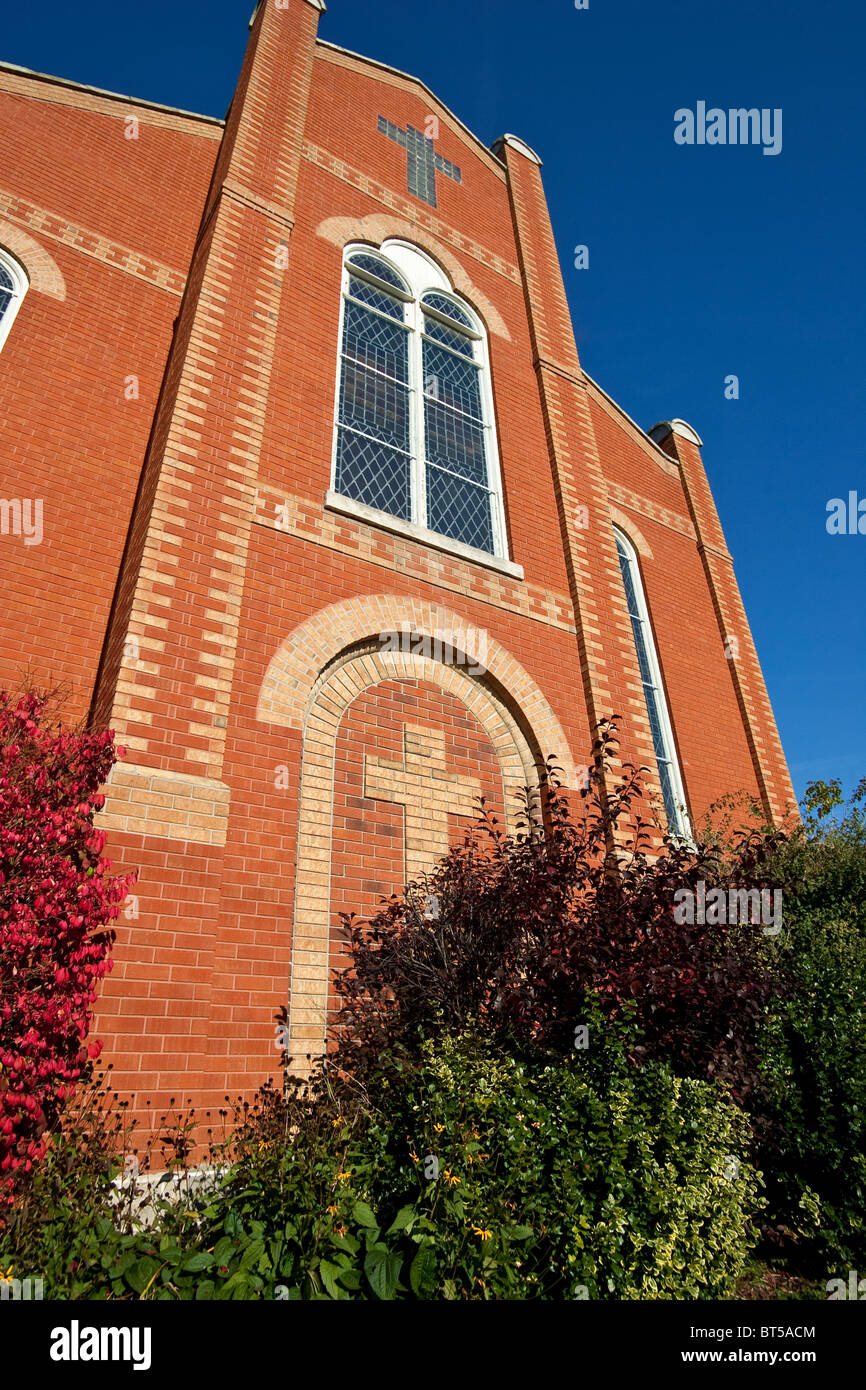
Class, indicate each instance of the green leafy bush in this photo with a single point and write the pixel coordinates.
(555, 1178)
(811, 1122)
(558, 1178)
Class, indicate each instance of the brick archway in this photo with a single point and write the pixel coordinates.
(334, 694)
(304, 658)
(314, 678)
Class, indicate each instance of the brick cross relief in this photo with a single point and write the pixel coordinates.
(422, 161)
(428, 792)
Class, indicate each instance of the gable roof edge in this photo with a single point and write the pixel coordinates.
(410, 77)
(114, 96)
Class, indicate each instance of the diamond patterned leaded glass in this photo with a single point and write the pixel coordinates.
(7, 290)
(447, 306)
(373, 443)
(458, 342)
(411, 434)
(458, 499)
(458, 509)
(381, 269)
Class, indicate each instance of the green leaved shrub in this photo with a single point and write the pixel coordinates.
(810, 1119)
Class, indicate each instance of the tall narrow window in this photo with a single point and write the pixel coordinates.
(13, 287)
(373, 433)
(673, 793)
(414, 426)
(458, 488)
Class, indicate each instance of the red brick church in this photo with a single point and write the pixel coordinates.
(307, 495)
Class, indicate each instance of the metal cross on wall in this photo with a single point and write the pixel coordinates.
(422, 160)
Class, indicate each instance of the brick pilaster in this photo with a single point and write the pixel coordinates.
(608, 662)
(771, 770)
(168, 665)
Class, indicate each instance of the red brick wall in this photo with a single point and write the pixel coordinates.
(116, 215)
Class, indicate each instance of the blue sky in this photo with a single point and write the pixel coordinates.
(703, 261)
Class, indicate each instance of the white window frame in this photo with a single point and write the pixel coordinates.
(683, 830)
(21, 286)
(424, 276)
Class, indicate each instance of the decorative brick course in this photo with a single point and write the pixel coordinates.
(57, 228)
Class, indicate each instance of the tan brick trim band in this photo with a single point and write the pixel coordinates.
(311, 522)
(417, 218)
(170, 805)
(94, 244)
(652, 510)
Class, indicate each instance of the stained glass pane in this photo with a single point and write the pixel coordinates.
(364, 261)
(454, 441)
(373, 460)
(376, 342)
(672, 810)
(374, 404)
(447, 306)
(379, 299)
(7, 290)
(449, 336)
(459, 509)
(452, 381)
(371, 472)
(652, 694)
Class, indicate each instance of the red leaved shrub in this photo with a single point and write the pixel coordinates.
(56, 899)
(524, 936)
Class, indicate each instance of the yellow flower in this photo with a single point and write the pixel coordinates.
(336, 1123)
(341, 1176)
(341, 1230)
(451, 1177)
(480, 1231)
(7, 1277)
(438, 1128)
(414, 1156)
(333, 1210)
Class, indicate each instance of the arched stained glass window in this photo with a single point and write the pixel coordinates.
(414, 435)
(13, 287)
(673, 793)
